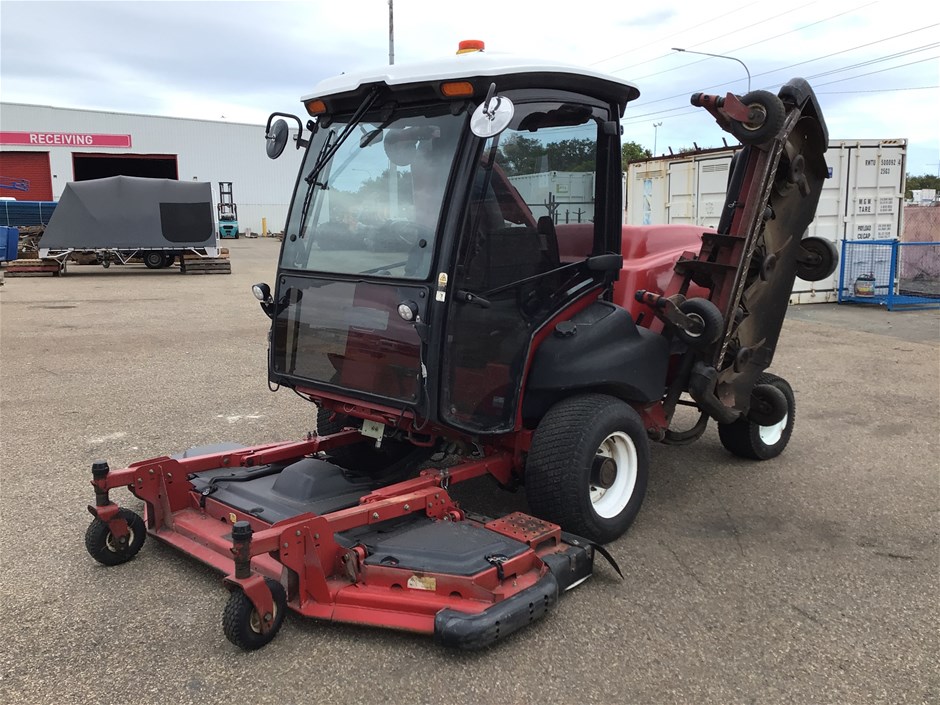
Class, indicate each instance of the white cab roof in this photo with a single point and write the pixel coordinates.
(478, 63)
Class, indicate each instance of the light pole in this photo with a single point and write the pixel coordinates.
(720, 56)
(391, 33)
(656, 126)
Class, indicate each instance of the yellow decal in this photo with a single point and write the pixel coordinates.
(422, 582)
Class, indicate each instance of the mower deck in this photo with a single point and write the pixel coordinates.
(401, 555)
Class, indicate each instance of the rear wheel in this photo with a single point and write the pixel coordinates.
(747, 438)
(588, 466)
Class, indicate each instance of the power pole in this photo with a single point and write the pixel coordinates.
(391, 33)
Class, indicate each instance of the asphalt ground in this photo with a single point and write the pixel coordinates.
(811, 578)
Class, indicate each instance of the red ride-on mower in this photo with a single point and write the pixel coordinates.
(457, 295)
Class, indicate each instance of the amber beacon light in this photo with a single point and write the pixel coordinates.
(470, 45)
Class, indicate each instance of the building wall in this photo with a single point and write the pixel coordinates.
(206, 150)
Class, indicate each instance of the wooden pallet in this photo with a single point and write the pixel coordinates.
(33, 268)
(207, 265)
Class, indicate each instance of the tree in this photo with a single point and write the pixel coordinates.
(920, 182)
(632, 151)
(522, 155)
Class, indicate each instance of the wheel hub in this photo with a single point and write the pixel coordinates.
(605, 472)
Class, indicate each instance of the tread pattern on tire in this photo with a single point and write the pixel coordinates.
(742, 439)
(236, 617)
(96, 537)
(559, 438)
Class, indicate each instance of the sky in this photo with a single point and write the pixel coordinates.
(875, 64)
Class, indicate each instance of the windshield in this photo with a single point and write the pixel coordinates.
(373, 208)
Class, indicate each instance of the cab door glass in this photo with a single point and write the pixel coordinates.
(528, 229)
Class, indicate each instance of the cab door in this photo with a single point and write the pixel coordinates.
(538, 208)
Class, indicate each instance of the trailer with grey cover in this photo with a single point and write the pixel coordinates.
(121, 218)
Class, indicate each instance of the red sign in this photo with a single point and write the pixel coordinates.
(65, 139)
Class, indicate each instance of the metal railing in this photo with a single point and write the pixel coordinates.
(890, 273)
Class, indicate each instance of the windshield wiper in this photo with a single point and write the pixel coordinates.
(327, 153)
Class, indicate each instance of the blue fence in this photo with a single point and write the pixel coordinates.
(890, 273)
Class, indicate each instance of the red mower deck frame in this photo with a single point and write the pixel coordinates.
(331, 581)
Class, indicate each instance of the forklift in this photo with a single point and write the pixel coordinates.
(228, 212)
(445, 329)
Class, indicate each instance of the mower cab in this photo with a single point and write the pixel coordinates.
(457, 294)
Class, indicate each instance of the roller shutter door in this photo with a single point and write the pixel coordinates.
(26, 168)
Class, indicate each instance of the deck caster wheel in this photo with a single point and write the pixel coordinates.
(588, 466)
(108, 550)
(750, 438)
(818, 259)
(242, 623)
(707, 323)
(768, 115)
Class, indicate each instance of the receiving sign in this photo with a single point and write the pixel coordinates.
(65, 139)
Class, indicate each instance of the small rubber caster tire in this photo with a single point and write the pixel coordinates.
(773, 112)
(747, 438)
(709, 318)
(817, 260)
(104, 548)
(240, 620)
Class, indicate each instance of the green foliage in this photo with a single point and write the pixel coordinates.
(525, 155)
(920, 182)
(631, 151)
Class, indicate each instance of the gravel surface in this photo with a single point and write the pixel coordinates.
(811, 578)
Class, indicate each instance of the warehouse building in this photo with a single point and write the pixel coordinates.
(42, 148)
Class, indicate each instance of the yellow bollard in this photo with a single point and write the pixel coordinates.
(264, 227)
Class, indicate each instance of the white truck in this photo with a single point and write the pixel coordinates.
(863, 198)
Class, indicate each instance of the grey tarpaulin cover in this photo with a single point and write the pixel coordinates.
(129, 212)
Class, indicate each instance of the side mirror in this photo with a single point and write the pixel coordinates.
(276, 133)
(492, 116)
(276, 138)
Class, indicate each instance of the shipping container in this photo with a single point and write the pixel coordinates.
(862, 199)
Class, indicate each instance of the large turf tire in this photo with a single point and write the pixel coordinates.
(567, 467)
(748, 439)
(241, 622)
(107, 550)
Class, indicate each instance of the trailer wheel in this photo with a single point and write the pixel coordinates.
(818, 259)
(746, 438)
(588, 466)
(709, 323)
(168, 261)
(106, 549)
(242, 623)
(771, 113)
(153, 260)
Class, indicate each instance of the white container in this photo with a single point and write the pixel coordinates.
(861, 200)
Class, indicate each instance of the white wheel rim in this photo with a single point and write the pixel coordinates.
(608, 502)
(771, 435)
(114, 545)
